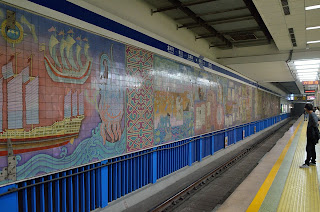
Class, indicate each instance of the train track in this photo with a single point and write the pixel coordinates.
(183, 195)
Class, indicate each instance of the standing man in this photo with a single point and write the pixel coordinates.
(312, 137)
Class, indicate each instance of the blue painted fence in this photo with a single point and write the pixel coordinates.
(92, 186)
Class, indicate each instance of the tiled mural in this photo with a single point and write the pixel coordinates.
(69, 97)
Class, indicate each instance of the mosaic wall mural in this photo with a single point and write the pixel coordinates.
(69, 97)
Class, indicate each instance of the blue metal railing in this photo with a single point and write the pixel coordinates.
(92, 186)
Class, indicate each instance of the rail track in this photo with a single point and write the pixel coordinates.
(183, 195)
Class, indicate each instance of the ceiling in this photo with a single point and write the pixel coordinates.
(224, 23)
(288, 87)
(265, 70)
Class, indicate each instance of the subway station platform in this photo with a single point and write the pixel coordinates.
(277, 183)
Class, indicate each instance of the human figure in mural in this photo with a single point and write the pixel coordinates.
(166, 125)
(111, 104)
(179, 108)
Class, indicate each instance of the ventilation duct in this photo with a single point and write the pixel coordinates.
(285, 7)
(293, 37)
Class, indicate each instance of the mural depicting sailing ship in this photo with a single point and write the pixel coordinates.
(38, 138)
(68, 70)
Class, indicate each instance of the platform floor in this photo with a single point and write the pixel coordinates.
(277, 183)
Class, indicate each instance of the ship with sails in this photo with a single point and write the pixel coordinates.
(41, 137)
(67, 69)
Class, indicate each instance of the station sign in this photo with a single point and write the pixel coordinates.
(300, 98)
(310, 82)
(311, 97)
(309, 91)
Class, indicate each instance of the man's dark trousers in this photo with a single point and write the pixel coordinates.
(311, 152)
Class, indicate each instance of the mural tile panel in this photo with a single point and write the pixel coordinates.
(77, 97)
(139, 99)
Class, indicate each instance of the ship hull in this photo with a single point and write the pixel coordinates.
(35, 144)
(62, 77)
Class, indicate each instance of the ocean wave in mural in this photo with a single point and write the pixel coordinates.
(90, 149)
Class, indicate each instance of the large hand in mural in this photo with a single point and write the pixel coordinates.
(109, 100)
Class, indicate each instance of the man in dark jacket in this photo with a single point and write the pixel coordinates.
(312, 137)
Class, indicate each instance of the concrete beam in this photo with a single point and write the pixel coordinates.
(297, 55)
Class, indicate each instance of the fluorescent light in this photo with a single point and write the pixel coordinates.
(306, 72)
(308, 79)
(302, 77)
(312, 72)
(313, 66)
(312, 7)
(314, 41)
(315, 27)
(307, 75)
(306, 62)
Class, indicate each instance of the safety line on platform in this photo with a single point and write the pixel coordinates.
(258, 200)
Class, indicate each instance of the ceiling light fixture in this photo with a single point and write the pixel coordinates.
(313, 7)
(307, 75)
(306, 62)
(312, 67)
(307, 71)
(313, 41)
(308, 79)
(315, 27)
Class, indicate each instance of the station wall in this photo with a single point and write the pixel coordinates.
(70, 97)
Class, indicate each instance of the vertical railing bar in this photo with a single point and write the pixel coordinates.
(98, 186)
(76, 191)
(33, 197)
(93, 188)
(82, 191)
(42, 196)
(87, 190)
(64, 193)
(104, 184)
(70, 192)
(110, 182)
(115, 180)
(24, 198)
(50, 199)
(57, 194)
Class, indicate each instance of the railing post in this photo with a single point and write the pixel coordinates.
(9, 202)
(225, 139)
(235, 135)
(154, 165)
(243, 133)
(104, 184)
(212, 145)
(190, 153)
(200, 148)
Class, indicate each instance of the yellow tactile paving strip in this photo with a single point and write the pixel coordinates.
(257, 201)
(301, 191)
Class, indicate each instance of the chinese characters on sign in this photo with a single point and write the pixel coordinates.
(310, 82)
